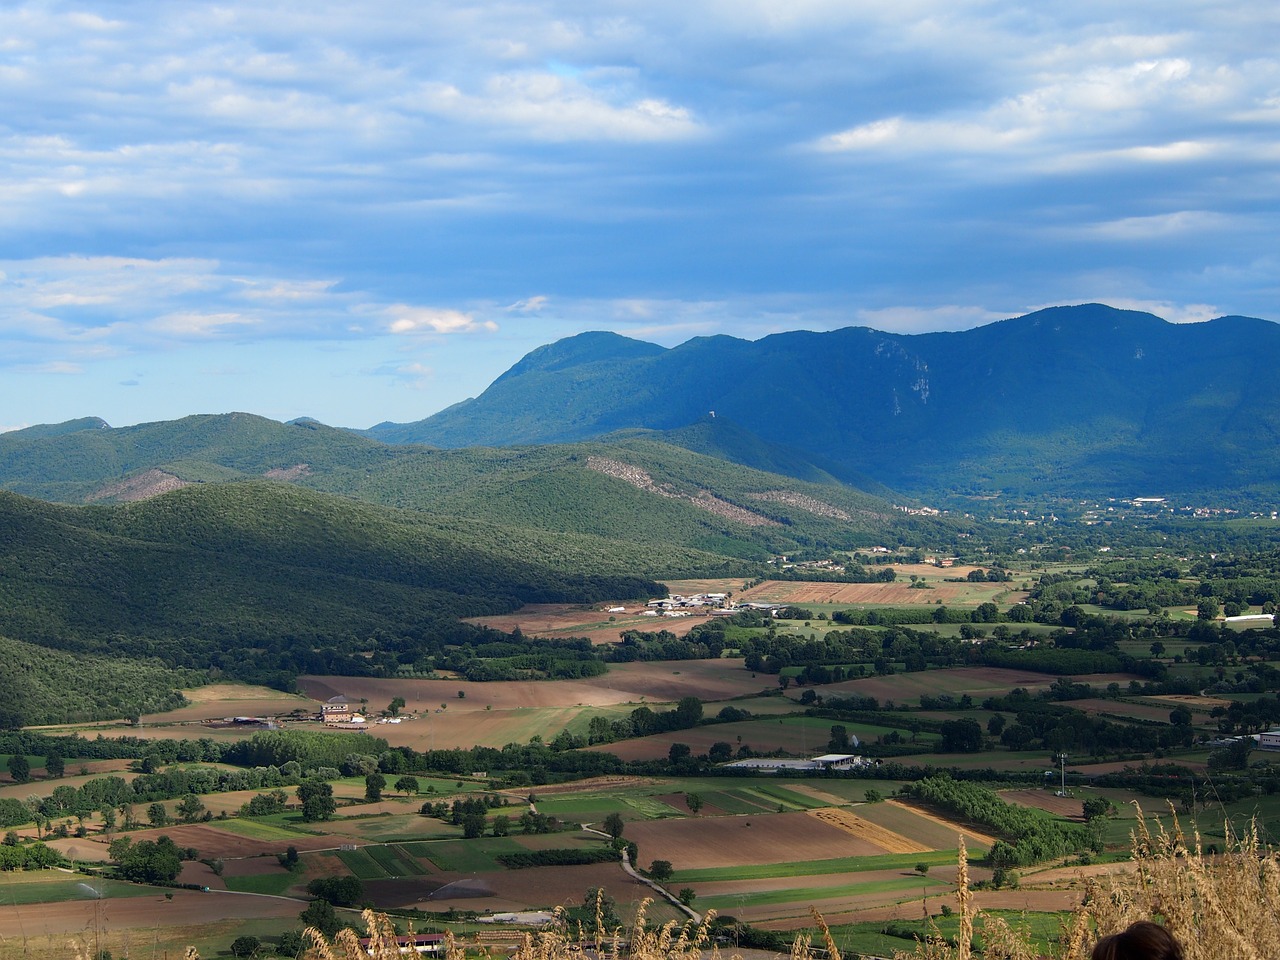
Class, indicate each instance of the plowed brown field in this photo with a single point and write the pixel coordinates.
(728, 841)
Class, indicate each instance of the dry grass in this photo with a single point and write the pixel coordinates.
(1219, 906)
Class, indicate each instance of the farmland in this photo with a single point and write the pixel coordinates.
(575, 752)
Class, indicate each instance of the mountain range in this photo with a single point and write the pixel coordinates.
(1080, 401)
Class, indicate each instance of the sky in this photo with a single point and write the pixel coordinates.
(367, 212)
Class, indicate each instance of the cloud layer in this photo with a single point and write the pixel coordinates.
(427, 187)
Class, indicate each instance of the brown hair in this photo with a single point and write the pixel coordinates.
(1143, 940)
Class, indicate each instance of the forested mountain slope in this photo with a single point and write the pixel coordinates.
(260, 579)
(1084, 400)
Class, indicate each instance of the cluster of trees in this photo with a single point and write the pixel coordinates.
(471, 813)
(1029, 835)
(149, 861)
(641, 722)
(557, 857)
(27, 856)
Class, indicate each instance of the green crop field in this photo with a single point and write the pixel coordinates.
(364, 866)
(54, 886)
(764, 871)
(258, 829)
(396, 861)
(727, 902)
(469, 856)
(271, 884)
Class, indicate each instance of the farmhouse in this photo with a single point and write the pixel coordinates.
(336, 710)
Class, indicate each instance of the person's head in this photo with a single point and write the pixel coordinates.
(1143, 940)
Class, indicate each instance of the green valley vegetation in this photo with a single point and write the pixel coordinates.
(264, 581)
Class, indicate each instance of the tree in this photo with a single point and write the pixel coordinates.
(661, 871)
(1207, 609)
(54, 765)
(688, 713)
(158, 815)
(961, 736)
(694, 802)
(373, 784)
(922, 868)
(190, 808)
(317, 800)
(614, 825)
(321, 915)
(686, 896)
(19, 768)
(245, 946)
(11, 717)
(407, 785)
(340, 891)
(395, 706)
(149, 861)
(501, 826)
(1097, 807)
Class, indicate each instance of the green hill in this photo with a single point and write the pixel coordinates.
(264, 580)
(663, 507)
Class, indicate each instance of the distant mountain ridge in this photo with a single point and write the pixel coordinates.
(1082, 400)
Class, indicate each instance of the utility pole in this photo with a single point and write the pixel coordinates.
(1062, 761)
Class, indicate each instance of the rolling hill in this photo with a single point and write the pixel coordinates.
(661, 508)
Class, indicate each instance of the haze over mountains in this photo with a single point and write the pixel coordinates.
(1071, 401)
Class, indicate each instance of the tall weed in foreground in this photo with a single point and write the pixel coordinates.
(1219, 906)
(672, 941)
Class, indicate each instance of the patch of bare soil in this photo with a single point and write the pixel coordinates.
(296, 472)
(1072, 808)
(188, 907)
(140, 486)
(1030, 901)
(641, 480)
(729, 841)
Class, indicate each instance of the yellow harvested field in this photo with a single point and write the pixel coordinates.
(866, 830)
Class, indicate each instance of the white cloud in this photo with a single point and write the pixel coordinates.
(408, 319)
(200, 325)
(528, 305)
(911, 319)
(1173, 312)
(1158, 226)
(552, 107)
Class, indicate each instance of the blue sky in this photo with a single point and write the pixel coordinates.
(367, 212)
